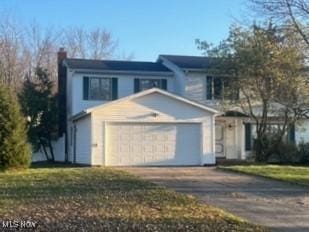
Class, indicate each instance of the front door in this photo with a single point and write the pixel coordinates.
(220, 149)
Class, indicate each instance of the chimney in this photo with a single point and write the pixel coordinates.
(62, 54)
(62, 101)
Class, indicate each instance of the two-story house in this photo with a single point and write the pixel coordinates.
(124, 113)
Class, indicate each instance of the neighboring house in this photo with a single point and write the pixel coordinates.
(167, 112)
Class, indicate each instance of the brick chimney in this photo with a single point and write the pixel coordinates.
(61, 55)
(62, 101)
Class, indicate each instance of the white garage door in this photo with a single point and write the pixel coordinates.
(130, 144)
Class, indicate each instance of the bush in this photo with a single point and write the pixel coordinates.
(287, 153)
(277, 152)
(15, 152)
(303, 151)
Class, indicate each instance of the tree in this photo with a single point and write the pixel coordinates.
(23, 47)
(294, 13)
(14, 149)
(91, 44)
(267, 67)
(39, 104)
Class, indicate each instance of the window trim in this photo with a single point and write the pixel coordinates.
(110, 79)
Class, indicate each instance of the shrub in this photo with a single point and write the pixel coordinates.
(15, 152)
(287, 153)
(303, 151)
(277, 152)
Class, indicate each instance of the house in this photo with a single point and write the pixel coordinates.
(168, 112)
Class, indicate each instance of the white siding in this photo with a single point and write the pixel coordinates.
(58, 146)
(302, 131)
(179, 80)
(125, 88)
(196, 86)
(142, 109)
(196, 89)
(83, 141)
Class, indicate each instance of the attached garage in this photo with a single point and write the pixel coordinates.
(151, 128)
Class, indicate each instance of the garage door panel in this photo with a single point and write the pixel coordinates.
(152, 144)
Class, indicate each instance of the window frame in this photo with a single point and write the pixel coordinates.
(149, 79)
(213, 82)
(110, 80)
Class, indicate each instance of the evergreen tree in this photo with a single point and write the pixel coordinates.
(15, 152)
(39, 104)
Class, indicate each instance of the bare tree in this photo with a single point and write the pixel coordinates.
(40, 47)
(91, 44)
(11, 54)
(24, 47)
(293, 13)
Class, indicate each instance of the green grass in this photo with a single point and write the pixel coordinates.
(102, 199)
(292, 174)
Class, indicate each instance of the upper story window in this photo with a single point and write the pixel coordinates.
(99, 88)
(218, 88)
(143, 84)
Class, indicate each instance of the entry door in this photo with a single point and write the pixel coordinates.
(220, 149)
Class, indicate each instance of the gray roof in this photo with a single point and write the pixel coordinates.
(190, 62)
(116, 65)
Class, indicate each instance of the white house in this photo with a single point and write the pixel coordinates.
(127, 113)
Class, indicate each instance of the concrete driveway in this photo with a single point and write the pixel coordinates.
(278, 205)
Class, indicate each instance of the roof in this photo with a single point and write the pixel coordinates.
(234, 113)
(143, 93)
(117, 65)
(189, 62)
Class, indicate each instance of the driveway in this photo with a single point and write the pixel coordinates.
(280, 206)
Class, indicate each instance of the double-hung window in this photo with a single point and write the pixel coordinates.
(214, 88)
(218, 88)
(100, 88)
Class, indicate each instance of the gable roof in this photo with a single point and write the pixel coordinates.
(143, 93)
(116, 65)
(189, 62)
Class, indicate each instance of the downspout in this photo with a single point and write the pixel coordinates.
(74, 144)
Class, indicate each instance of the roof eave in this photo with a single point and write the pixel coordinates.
(121, 72)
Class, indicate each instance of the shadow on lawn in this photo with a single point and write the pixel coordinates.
(46, 164)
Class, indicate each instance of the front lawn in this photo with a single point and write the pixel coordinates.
(103, 199)
(293, 174)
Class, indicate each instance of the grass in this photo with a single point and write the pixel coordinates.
(292, 174)
(103, 199)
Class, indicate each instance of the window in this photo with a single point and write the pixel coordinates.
(214, 88)
(98, 88)
(143, 84)
(218, 88)
(149, 83)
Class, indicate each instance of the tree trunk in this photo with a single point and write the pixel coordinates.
(44, 149)
(51, 150)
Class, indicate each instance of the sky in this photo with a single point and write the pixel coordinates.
(145, 28)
